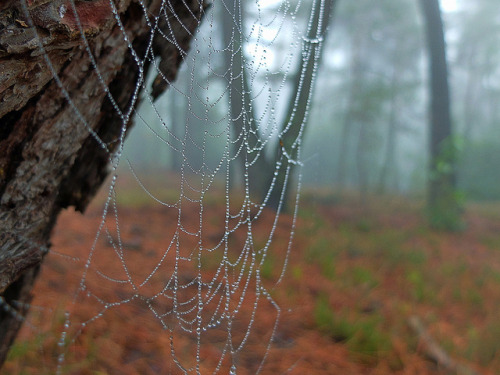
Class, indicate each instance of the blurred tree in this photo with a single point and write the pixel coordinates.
(403, 48)
(244, 126)
(475, 80)
(294, 124)
(177, 108)
(380, 78)
(261, 167)
(355, 72)
(444, 206)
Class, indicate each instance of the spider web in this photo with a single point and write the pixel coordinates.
(222, 121)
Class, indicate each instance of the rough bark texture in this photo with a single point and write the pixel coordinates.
(55, 152)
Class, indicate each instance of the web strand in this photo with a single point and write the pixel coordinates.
(207, 285)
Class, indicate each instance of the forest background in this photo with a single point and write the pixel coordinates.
(362, 227)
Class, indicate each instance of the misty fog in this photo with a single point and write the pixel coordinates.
(368, 125)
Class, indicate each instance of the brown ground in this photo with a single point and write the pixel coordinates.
(373, 244)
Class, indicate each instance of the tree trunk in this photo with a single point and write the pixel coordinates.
(355, 60)
(245, 130)
(443, 203)
(293, 127)
(389, 166)
(178, 105)
(362, 162)
(62, 111)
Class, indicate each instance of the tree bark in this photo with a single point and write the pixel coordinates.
(68, 85)
(443, 206)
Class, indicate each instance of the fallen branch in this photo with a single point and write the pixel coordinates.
(435, 352)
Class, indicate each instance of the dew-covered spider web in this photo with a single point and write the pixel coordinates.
(216, 158)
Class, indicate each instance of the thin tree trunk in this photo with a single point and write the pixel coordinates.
(345, 137)
(56, 144)
(244, 126)
(469, 102)
(362, 162)
(389, 164)
(178, 104)
(293, 127)
(347, 126)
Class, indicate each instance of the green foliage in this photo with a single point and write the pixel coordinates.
(492, 241)
(314, 222)
(484, 346)
(364, 277)
(267, 267)
(446, 202)
(364, 225)
(321, 252)
(328, 268)
(20, 349)
(420, 291)
(451, 150)
(445, 213)
(363, 335)
(415, 257)
(297, 273)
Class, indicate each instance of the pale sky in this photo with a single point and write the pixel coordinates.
(448, 5)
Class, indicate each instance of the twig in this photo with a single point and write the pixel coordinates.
(435, 352)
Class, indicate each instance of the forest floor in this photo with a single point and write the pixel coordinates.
(356, 276)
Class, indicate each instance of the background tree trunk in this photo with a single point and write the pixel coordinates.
(57, 136)
(293, 126)
(243, 119)
(443, 206)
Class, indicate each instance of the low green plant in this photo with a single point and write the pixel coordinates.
(474, 297)
(328, 268)
(363, 336)
(313, 221)
(267, 267)
(20, 349)
(417, 281)
(362, 276)
(322, 253)
(364, 225)
(491, 241)
(318, 250)
(297, 273)
(415, 257)
(484, 346)
(454, 269)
